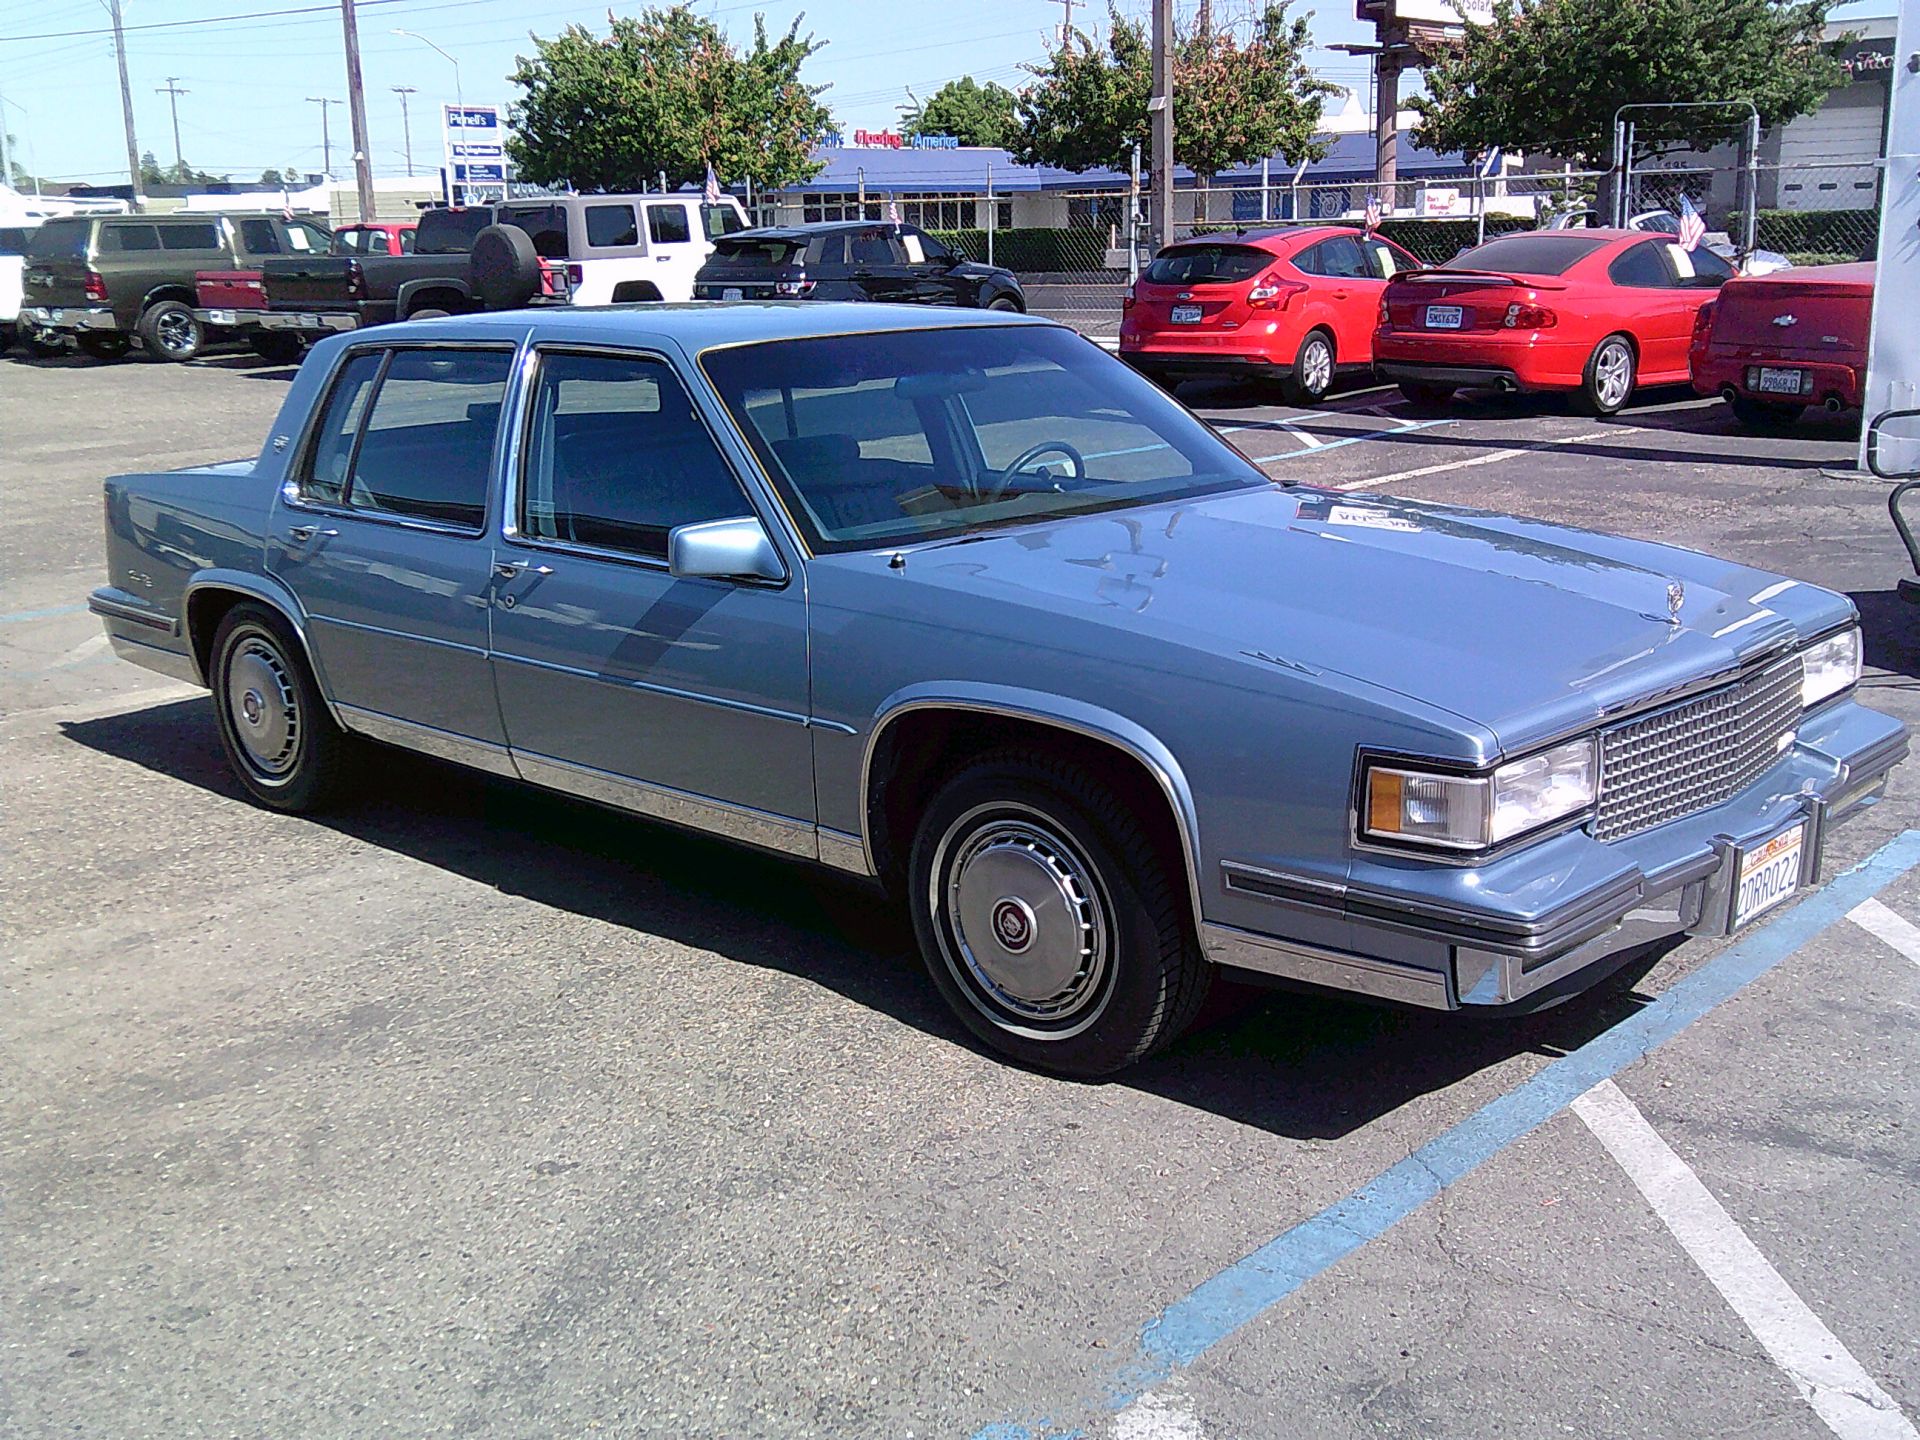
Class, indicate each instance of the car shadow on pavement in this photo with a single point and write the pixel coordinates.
(1297, 1064)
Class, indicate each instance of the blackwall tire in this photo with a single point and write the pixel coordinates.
(279, 738)
(1049, 921)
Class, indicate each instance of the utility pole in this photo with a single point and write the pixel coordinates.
(6, 155)
(137, 202)
(173, 92)
(357, 112)
(326, 134)
(406, 122)
(1066, 20)
(1160, 111)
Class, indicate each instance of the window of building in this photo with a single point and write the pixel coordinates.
(829, 205)
(618, 457)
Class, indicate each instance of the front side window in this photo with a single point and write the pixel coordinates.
(667, 225)
(917, 435)
(1698, 268)
(1386, 260)
(718, 220)
(305, 239)
(612, 225)
(617, 457)
(409, 434)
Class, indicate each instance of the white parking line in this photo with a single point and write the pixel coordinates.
(1826, 1375)
(1157, 1417)
(1884, 924)
(1510, 453)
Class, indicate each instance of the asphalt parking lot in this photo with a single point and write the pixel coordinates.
(474, 1111)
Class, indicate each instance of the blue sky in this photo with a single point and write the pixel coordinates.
(249, 79)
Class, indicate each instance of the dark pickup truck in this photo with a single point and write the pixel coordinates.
(321, 293)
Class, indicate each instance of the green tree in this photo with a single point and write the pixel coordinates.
(666, 91)
(972, 113)
(1548, 75)
(1234, 101)
(270, 176)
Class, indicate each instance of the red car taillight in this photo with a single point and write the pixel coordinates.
(1530, 317)
(1270, 292)
(1385, 317)
(96, 287)
(792, 289)
(1126, 300)
(1703, 320)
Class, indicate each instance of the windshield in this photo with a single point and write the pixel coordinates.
(1208, 265)
(918, 435)
(1538, 252)
(60, 240)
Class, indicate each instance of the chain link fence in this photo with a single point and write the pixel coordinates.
(1071, 249)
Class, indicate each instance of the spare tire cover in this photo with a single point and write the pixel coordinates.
(506, 270)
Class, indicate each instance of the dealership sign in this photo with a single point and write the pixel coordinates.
(889, 140)
(476, 146)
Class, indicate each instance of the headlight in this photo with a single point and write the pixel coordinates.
(1829, 666)
(1474, 812)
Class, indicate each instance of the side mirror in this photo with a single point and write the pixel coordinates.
(736, 549)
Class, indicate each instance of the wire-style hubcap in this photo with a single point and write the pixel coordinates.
(264, 708)
(1022, 922)
(1317, 367)
(1614, 371)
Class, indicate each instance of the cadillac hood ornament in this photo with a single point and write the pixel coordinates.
(1676, 597)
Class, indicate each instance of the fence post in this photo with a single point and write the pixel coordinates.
(1753, 184)
(991, 210)
(1133, 217)
(1264, 182)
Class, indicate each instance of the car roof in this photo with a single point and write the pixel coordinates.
(805, 231)
(1269, 236)
(701, 324)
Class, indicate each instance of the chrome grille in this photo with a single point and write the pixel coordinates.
(1698, 753)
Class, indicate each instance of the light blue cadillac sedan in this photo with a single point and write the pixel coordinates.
(960, 604)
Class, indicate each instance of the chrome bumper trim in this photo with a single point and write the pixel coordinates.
(70, 317)
(307, 321)
(170, 663)
(1329, 969)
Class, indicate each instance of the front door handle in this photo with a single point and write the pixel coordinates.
(513, 569)
(301, 534)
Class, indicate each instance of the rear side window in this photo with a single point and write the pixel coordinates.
(1550, 252)
(830, 250)
(618, 457)
(1209, 264)
(196, 236)
(258, 237)
(612, 225)
(60, 240)
(409, 434)
(667, 225)
(125, 238)
(1641, 268)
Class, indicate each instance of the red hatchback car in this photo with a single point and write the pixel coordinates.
(1596, 312)
(1293, 305)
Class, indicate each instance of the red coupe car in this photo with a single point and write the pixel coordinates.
(1596, 312)
(1292, 305)
(1774, 344)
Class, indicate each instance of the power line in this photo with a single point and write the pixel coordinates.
(182, 24)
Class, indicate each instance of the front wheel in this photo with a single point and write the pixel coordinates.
(1312, 373)
(171, 332)
(103, 344)
(282, 744)
(1048, 919)
(1608, 380)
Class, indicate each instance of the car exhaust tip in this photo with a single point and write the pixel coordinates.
(1505, 386)
(1832, 405)
(1729, 394)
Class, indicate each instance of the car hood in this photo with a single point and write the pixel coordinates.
(1524, 628)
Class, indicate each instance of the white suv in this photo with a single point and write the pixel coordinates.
(623, 247)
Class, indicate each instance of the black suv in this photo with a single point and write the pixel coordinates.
(851, 260)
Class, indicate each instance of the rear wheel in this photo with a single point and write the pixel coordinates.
(1608, 381)
(282, 744)
(103, 344)
(277, 346)
(1312, 373)
(426, 312)
(171, 332)
(1048, 919)
(1763, 414)
(1425, 393)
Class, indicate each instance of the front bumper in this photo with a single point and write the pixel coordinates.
(1445, 949)
(69, 319)
(309, 322)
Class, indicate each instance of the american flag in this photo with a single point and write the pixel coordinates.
(712, 192)
(1373, 213)
(893, 211)
(1693, 229)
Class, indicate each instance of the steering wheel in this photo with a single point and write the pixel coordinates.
(1028, 456)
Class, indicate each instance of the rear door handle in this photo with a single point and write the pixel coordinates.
(513, 569)
(301, 534)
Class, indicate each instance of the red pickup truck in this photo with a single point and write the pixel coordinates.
(1772, 345)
